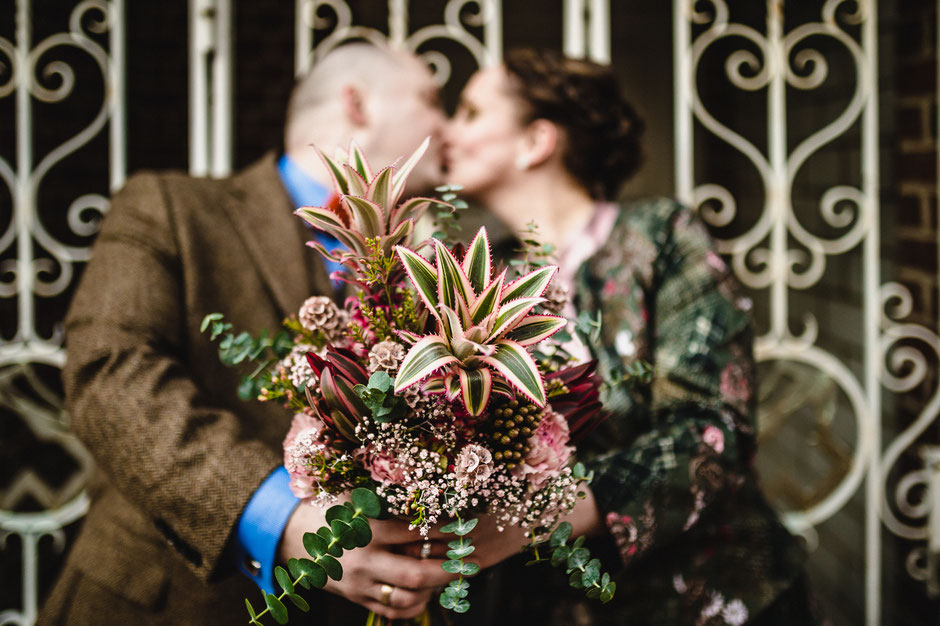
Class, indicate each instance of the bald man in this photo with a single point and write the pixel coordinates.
(191, 508)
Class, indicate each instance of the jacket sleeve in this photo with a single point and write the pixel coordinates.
(131, 396)
(690, 439)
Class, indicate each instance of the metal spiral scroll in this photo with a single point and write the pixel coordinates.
(906, 368)
(323, 14)
(808, 71)
(43, 280)
(26, 74)
(761, 256)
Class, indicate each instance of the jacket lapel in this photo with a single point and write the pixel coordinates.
(273, 237)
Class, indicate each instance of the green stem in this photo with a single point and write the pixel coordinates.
(316, 559)
(459, 521)
(280, 597)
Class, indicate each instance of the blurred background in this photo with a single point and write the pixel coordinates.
(805, 133)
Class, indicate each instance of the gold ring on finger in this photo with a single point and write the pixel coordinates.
(386, 599)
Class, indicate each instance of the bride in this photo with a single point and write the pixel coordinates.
(674, 503)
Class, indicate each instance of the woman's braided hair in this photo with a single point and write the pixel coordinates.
(601, 130)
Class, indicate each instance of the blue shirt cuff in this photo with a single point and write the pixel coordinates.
(261, 525)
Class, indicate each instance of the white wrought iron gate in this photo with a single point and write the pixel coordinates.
(779, 244)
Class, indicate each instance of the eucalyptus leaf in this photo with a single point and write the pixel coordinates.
(299, 602)
(462, 606)
(314, 544)
(333, 569)
(560, 555)
(464, 528)
(452, 527)
(366, 502)
(277, 608)
(333, 548)
(579, 557)
(575, 580)
(452, 566)
(448, 601)
(283, 579)
(314, 574)
(460, 584)
(343, 533)
(211, 317)
(594, 593)
(592, 572)
(338, 512)
(251, 609)
(469, 569)
(607, 593)
(561, 535)
(578, 542)
(362, 531)
(459, 553)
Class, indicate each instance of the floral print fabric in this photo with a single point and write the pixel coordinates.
(673, 465)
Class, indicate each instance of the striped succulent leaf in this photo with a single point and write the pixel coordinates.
(518, 368)
(476, 262)
(452, 282)
(367, 216)
(531, 285)
(423, 359)
(535, 328)
(475, 388)
(423, 275)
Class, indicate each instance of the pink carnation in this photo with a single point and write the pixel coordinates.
(549, 451)
(383, 466)
(301, 445)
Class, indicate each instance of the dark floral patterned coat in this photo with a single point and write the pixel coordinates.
(696, 541)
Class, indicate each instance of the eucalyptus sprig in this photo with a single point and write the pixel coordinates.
(237, 348)
(534, 252)
(584, 572)
(348, 529)
(447, 215)
(454, 595)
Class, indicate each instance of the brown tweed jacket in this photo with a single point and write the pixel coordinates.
(179, 454)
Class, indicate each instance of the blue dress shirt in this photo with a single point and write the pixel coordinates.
(265, 516)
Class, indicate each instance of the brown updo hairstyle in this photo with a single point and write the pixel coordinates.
(602, 131)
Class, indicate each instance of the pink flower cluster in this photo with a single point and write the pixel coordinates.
(306, 455)
(549, 451)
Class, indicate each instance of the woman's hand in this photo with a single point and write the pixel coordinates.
(493, 546)
(367, 570)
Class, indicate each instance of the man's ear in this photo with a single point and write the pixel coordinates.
(354, 105)
(541, 141)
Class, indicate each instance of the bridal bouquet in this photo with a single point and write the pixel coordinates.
(439, 392)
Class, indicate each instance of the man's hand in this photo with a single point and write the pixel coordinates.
(366, 570)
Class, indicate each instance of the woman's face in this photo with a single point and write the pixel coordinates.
(482, 141)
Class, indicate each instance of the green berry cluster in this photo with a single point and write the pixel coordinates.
(512, 424)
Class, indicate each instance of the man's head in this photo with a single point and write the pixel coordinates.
(384, 99)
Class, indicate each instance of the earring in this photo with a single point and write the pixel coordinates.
(523, 162)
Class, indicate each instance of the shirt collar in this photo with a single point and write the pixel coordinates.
(303, 190)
